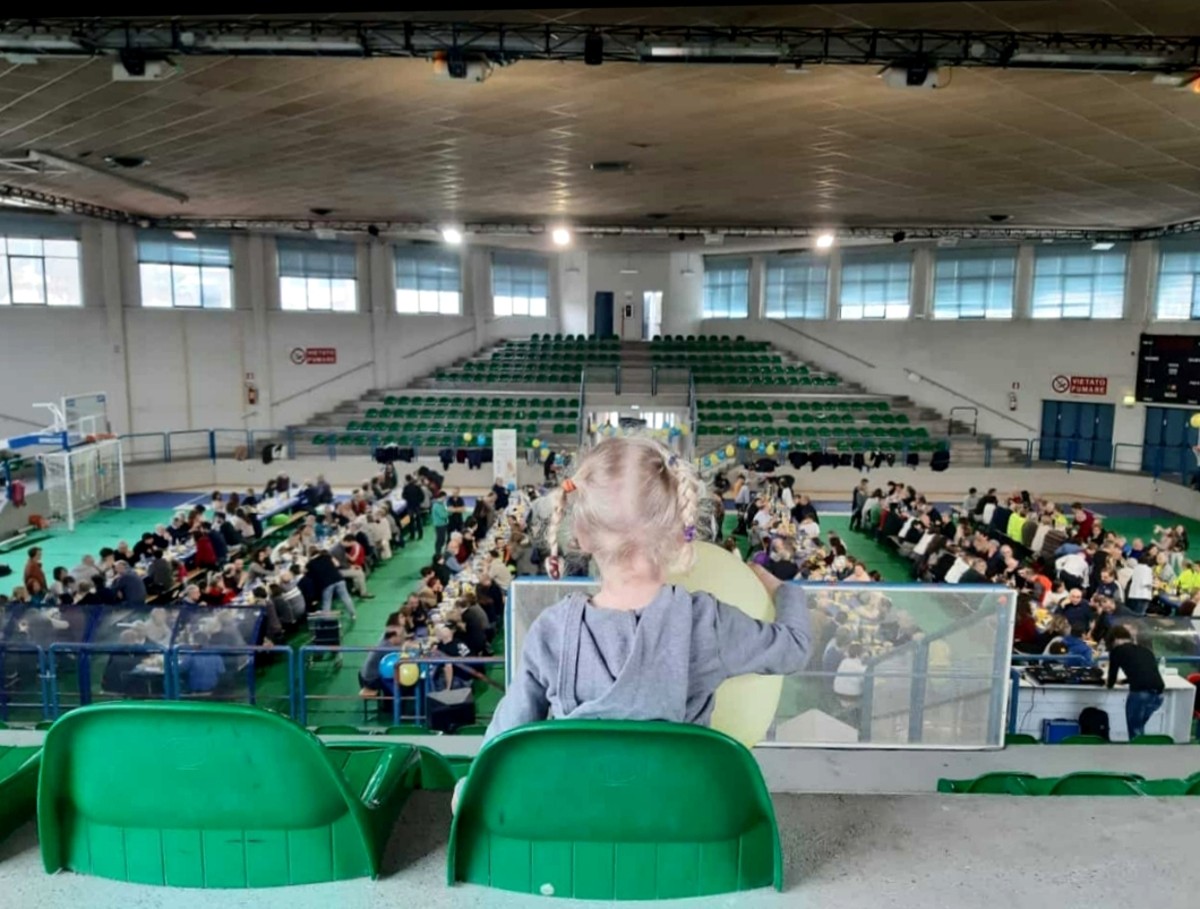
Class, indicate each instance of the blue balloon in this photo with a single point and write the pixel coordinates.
(721, 455)
(512, 487)
(387, 666)
(762, 446)
(743, 441)
(784, 444)
(481, 439)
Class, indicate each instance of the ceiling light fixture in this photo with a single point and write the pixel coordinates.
(561, 236)
(452, 235)
(825, 240)
(184, 234)
(1103, 245)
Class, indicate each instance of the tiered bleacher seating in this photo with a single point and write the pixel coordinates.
(542, 360)
(449, 419)
(734, 361)
(851, 420)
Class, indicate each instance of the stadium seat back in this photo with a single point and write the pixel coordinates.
(18, 786)
(212, 795)
(615, 810)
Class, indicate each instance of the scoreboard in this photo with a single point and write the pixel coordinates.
(1169, 369)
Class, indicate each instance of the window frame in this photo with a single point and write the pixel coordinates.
(425, 256)
(214, 248)
(536, 266)
(1067, 254)
(781, 265)
(332, 275)
(1192, 251)
(727, 275)
(874, 259)
(989, 256)
(8, 293)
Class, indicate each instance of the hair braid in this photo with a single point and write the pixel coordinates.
(689, 489)
(554, 524)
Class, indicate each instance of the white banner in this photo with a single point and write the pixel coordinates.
(504, 455)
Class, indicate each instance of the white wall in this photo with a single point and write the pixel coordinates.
(962, 363)
(179, 370)
(655, 272)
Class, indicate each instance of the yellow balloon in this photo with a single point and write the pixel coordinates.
(771, 450)
(410, 674)
(730, 451)
(537, 443)
(754, 443)
(1195, 421)
(746, 705)
(467, 437)
(683, 430)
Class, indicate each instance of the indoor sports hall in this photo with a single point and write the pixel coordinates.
(691, 454)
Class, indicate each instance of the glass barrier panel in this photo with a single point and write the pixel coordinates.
(892, 665)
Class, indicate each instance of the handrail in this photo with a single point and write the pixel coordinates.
(27, 422)
(974, 411)
(958, 394)
(323, 382)
(825, 344)
(433, 344)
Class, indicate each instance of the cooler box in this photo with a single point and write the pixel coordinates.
(1054, 731)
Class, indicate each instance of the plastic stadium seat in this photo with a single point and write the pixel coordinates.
(1152, 739)
(625, 810)
(18, 786)
(1020, 738)
(1084, 740)
(999, 783)
(213, 796)
(1091, 784)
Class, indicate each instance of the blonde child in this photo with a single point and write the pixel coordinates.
(641, 649)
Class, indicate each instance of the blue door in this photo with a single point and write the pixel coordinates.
(1077, 432)
(1168, 440)
(603, 314)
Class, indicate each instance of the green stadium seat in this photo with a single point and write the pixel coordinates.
(18, 786)
(214, 796)
(588, 835)
(1093, 784)
(1084, 740)
(1152, 739)
(997, 783)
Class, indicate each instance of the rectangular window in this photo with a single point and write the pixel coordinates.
(1077, 283)
(185, 274)
(875, 286)
(726, 287)
(1178, 296)
(428, 281)
(39, 271)
(317, 276)
(974, 284)
(520, 285)
(796, 287)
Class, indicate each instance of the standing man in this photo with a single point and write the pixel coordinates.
(440, 518)
(457, 507)
(128, 588)
(413, 500)
(1141, 672)
(34, 570)
(858, 498)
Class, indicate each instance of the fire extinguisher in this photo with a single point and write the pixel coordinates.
(251, 394)
(1012, 400)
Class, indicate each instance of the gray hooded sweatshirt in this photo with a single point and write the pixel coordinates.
(661, 662)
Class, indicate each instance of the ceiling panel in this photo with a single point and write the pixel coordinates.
(386, 139)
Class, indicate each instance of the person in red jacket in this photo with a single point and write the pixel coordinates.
(1027, 638)
(206, 556)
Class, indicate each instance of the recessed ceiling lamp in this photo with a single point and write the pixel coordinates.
(184, 234)
(825, 240)
(561, 236)
(1103, 245)
(452, 235)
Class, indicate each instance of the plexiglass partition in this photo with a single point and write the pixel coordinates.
(892, 665)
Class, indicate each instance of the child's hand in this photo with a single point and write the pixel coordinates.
(768, 580)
